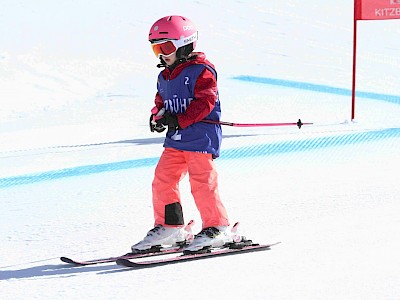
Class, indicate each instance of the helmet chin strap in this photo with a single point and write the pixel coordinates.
(179, 61)
(162, 63)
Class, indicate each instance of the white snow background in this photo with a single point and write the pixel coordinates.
(77, 82)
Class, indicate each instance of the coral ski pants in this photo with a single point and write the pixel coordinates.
(171, 169)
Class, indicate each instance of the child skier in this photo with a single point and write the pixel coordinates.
(186, 94)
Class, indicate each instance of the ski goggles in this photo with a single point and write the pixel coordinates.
(168, 47)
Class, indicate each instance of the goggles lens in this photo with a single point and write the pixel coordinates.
(165, 48)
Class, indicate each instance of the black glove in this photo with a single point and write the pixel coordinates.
(155, 126)
(169, 120)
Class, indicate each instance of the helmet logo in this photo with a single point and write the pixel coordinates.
(155, 28)
(189, 39)
(187, 27)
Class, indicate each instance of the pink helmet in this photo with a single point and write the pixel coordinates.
(174, 28)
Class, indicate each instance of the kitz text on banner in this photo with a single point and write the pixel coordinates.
(377, 9)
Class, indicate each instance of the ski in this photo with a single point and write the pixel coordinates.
(209, 253)
(153, 251)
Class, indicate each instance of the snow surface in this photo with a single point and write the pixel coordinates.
(77, 82)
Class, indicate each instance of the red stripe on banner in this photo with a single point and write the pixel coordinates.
(377, 9)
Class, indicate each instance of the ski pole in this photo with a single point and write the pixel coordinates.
(299, 123)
